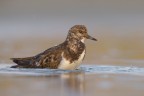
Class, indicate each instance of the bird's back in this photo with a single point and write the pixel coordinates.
(50, 58)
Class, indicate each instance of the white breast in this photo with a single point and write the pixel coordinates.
(65, 64)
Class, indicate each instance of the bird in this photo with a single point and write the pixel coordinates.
(67, 55)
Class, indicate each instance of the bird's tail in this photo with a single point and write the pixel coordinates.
(22, 62)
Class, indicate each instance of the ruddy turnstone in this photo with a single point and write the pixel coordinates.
(67, 55)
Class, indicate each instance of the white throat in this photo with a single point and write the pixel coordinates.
(83, 40)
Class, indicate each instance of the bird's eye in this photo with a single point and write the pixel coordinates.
(80, 31)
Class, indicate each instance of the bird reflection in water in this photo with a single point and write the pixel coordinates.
(73, 84)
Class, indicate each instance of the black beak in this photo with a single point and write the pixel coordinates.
(89, 37)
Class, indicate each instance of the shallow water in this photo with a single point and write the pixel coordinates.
(89, 80)
(86, 69)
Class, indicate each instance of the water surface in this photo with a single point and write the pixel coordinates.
(89, 80)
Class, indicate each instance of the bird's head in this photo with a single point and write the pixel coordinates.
(79, 32)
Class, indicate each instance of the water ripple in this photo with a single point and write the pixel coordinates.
(87, 69)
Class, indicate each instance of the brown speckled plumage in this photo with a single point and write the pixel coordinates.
(70, 49)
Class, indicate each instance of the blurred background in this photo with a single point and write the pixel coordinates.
(28, 27)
